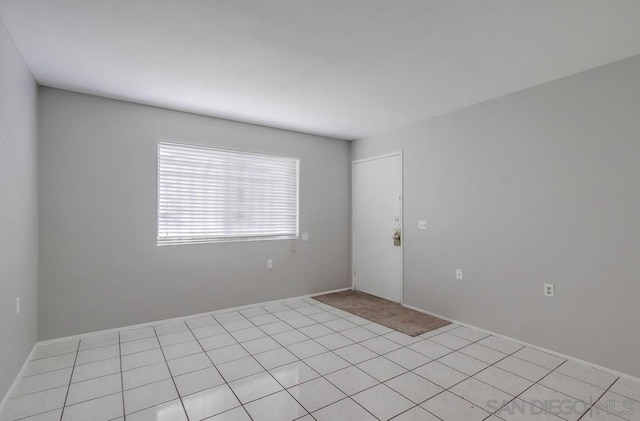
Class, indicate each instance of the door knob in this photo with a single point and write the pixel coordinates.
(396, 237)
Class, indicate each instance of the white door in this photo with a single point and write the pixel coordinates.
(377, 217)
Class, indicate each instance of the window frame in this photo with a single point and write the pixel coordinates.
(231, 238)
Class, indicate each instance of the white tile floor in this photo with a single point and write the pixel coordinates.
(303, 360)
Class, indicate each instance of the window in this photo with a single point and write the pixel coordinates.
(212, 195)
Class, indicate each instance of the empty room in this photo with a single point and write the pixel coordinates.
(319, 210)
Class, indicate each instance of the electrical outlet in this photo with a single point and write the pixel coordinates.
(18, 306)
(459, 275)
(422, 224)
(270, 264)
(549, 290)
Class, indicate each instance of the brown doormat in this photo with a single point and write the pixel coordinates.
(384, 312)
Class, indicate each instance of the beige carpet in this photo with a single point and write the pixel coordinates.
(384, 312)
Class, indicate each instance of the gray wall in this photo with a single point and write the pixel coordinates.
(18, 211)
(100, 266)
(534, 187)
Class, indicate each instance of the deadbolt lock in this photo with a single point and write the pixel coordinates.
(396, 237)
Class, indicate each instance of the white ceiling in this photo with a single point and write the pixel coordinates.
(342, 68)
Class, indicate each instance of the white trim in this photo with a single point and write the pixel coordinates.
(539, 348)
(373, 158)
(353, 172)
(102, 332)
(168, 158)
(181, 318)
(18, 377)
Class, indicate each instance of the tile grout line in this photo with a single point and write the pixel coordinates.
(170, 374)
(47, 372)
(355, 365)
(329, 350)
(493, 364)
(219, 373)
(258, 362)
(178, 319)
(351, 396)
(555, 370)
(325, 375)
(415, 405)
(378, 355)
(598, 400)
(209, 336)
(535, 384)
(448, 389)
(298, 358)
(124, 415)
(408, 346)
(468, 376)
(301, 360)
(434, 335)
(409, 370)
(158, 348)
(64, 405)
(52, 356)
(338, 316)
(293, 328)
(516, 396)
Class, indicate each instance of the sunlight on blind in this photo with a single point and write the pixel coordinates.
(212, 195)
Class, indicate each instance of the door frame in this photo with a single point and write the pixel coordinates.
(399, 153)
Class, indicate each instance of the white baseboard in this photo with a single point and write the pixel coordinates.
(18, 377)
(211, 313)
(181, 318)
(539, 348)
(131, 327)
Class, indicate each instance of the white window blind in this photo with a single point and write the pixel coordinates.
(212, 195)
